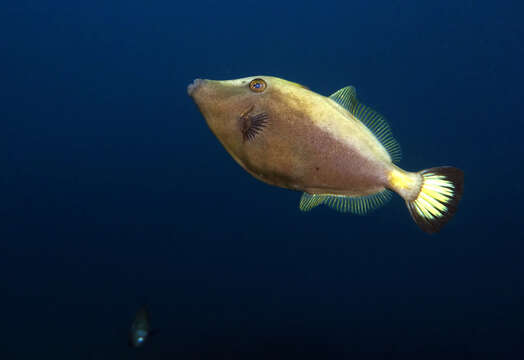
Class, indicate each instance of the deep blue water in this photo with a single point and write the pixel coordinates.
(114, 192)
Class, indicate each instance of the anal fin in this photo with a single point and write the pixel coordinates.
(360, 205)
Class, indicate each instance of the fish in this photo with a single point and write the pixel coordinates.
(140, 328)
(337, 151)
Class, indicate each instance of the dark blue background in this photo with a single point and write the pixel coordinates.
(114, 192)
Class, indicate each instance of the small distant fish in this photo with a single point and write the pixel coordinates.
(337, 151)
(140, 328)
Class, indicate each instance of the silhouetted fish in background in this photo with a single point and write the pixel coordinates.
(140, 328)
(335, 150)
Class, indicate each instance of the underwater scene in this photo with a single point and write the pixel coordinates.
(261, 180)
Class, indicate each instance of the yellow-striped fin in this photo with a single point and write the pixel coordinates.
(360, 205)
(438, 198)
(347, 98)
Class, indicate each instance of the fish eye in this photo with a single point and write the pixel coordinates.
(257, 85)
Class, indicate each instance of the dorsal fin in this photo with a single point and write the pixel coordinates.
(360, 205)
(347, 98)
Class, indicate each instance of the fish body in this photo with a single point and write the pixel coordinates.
(335, 150)
(140, 328)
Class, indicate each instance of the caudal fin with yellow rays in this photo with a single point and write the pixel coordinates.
(438, 197)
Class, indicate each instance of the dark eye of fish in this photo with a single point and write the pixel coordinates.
(252, 125)
(257, 85)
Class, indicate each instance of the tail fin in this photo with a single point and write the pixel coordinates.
(438, 197)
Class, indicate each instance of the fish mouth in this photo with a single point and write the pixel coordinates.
(194, 85)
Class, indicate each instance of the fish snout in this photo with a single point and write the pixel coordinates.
(194, 85)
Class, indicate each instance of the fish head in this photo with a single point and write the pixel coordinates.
(249, 116)
(137, 338)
